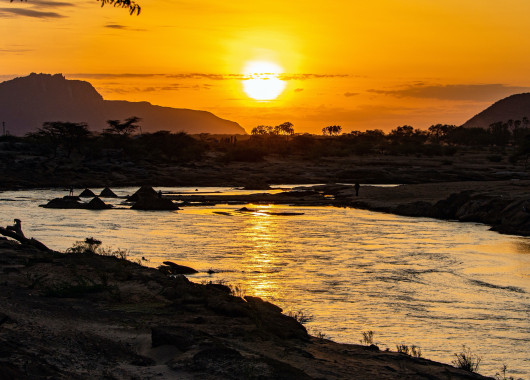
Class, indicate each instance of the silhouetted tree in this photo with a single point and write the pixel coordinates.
(262, 130)
(332, 130)
(500, 132)
(57, 134)
(123, 128)
(284, 129)
(439, 132)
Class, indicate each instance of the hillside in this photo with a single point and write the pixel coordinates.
(27, 102)
(514, 107)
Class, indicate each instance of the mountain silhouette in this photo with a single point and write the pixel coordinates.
(514, 107)
(27, 102)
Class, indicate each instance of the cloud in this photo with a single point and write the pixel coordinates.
(473, 92)
(110, 75)
(6, 12)
(15, 50)
(350, 94)
(207, 76)
(298, 89)
(50, 4)
(123, 27)
(310, 76)
(171, 87)
(115, 26)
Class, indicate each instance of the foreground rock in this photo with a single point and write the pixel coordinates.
(86, 316)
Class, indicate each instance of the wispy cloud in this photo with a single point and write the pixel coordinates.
(350, 94)
(310, 76)
(123, 27)
(9, 12)
(15, 50)
(43, 9)
(115, 26)
(147, 89)
(51, 4)
(207, 76)
(474, 92)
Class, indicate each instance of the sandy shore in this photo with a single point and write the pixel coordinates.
(88, 316)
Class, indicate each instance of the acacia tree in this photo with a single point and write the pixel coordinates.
(116, 127)
(284, 129)
(262, 130)
(57, 134)
(332, 130)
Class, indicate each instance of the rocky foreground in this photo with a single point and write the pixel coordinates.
(87, 316)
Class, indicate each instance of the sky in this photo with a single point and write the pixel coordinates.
(362, 65)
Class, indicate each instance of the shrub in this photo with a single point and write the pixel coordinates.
(91, 245)
(368, 338)
(300, 316)
(413, 350)
(467, 360)
(502, 374)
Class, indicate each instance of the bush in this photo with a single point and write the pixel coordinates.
(91, 245)
(368, 338)
(300, 316)
(411, 351)
(466, 360)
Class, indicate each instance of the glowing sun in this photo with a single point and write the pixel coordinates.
(263, 82)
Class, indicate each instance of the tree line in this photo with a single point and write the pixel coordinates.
(124, 140)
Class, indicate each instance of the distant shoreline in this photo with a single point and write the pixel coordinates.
(503, 205)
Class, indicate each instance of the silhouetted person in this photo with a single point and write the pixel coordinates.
(357, 187)
(16, 228)
(159, 193)
(71, 191)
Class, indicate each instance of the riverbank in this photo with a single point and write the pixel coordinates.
(90, 316)
(25, 171)
(503, 205)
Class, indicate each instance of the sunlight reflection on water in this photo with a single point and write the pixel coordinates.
(431, 283)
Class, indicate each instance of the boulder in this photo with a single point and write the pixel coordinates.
(269, 318)
(170, 267)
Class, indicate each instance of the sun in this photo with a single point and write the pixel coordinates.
(262, 81)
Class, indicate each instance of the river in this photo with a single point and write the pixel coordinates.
(435, 284)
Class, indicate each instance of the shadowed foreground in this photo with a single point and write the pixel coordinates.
(90, 316)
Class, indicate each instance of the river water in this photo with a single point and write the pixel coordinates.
(416, 281)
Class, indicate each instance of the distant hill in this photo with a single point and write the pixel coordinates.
(27, 102)
(513, 107)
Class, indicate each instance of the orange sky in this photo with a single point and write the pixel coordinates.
(362, 65)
